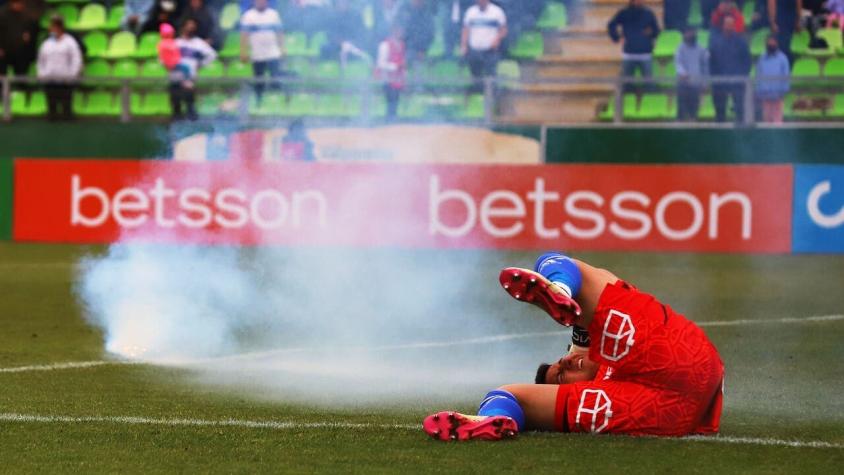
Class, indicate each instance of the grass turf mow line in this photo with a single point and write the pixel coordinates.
(292, 425)
(408, 346)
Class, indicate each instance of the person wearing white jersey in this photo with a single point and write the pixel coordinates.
(195, 53)
(484, 27)
(262, 41)
(59, 65)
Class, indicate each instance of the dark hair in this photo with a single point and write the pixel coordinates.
(541, 372)
(57, 20)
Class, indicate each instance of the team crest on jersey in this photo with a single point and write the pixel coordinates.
(595, 409)
(617, 337)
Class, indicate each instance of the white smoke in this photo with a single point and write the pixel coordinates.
(315, 325)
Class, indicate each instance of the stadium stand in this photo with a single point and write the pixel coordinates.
(563, 68)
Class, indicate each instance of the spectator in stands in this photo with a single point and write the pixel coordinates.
(346, 33)
(18, 37)
(453, 23)
(390, 68)
(692, 62)
(727, 8)
(296, 145)
(772, 71)
(729, 55)
(59, 66)
(784, 18)
(136, 13)
(418, 25)
(675, 14)
(262, 41)
(206, 22)
(836, 13)
(195, 53)
(639, 29)
(164, 11)
(484, 28)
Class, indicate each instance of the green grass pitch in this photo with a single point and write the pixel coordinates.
(785, 382)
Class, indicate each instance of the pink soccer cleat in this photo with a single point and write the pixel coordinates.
(532, 287)
(449, 425)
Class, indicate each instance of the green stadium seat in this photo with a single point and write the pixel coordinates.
(629, 108)
(34, 106)
(272, 104)
(300, 105)
(115, 18)
(800, 42)
(125, 68)
(357, 71)
(334, 105)
(437, 48)
(474, 109)
(231, 45)
(214, 69)
(211, 104)
(695, 17)
(148, 45)
(368, 15)
(37, 104)
(69, 12)
(153, 69)
(316, 43)
(530, 45)
(326, 70)
(747, 11)
(236, 69)
(509, 69)
(806, 68)
(96, 44)
(299, 66)
(653, 106)
(448, 72)
(18, 103)
(99, 103)
(92, 17)
(553, 17)
(834, 68)
(758, 40)
(122, 45)
(837, 110)
(667, 43)
(707, 108)
(230, 16)
(412, 106)
(150, 104)
(668, 70)
(97, 68)
(703, 37)
(296, 44)
(833, 39)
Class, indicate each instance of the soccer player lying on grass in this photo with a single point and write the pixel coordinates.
(635, 367)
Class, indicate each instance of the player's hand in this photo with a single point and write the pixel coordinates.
(528, 286)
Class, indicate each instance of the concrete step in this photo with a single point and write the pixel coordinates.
(562, 68)
(552, 108)
(589, 47)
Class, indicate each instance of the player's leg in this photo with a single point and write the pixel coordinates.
(567, 289)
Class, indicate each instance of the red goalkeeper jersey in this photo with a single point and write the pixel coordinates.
(659, 373)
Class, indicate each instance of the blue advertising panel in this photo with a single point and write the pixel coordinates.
(818, 208)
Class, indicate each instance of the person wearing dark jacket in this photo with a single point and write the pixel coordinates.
(784, 18)
(639, 29)
(206, 22)
(18, 38)
(729, 55)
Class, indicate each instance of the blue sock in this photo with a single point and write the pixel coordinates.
(502, 403)
(560, 269)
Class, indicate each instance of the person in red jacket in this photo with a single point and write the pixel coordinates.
(390, 68)
(727, 8)
(637, 367)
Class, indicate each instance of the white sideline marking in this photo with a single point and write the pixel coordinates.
(407, 346)
(292, 425)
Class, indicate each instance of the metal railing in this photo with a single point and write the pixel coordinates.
(491, 88)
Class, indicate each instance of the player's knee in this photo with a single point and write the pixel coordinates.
(560, 269)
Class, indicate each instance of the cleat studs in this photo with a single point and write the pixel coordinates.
(533, 280)
(517, 296)
(517, 276)
(453, 437)
(506, 286)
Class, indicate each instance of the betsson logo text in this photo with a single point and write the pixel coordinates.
(195, 208)
(629, 216)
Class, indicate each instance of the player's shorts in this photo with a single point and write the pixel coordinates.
(659, 375)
